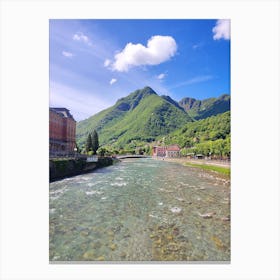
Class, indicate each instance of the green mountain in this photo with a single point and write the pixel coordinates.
(201, 109)
(141, 116)
(204, 136)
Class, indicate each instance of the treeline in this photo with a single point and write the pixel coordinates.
(215, 149)
(209, 137)
(92, 143)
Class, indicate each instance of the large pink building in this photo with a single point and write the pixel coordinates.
(166, 151)
(62, 131)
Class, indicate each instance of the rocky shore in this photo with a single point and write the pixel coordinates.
(205, 173)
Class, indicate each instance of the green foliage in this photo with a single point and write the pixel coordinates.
(210, 129)
(102, 152)
(88, 143)
(141, 116)
(219, 169)
(78, 148)
(95, 141)
(201, 109)
(210, 136)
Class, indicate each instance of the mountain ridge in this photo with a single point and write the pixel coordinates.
(201, 109)
(141, 116)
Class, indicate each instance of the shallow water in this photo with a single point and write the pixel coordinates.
(140, 210)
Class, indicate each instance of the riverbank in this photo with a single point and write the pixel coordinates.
(63, 168)
(219, 167)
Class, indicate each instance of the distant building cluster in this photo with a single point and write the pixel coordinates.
(62, 131)
(166, 151)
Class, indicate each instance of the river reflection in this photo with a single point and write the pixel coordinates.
(140, 210)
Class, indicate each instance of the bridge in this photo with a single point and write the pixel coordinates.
(132, 156)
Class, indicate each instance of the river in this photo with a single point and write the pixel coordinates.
(140, 210)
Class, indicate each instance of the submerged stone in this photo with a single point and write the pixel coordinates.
(176, 210)
(207, 215)
(89, 255)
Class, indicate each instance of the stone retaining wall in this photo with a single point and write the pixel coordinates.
(62, 168)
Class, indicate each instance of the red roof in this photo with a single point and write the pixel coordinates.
(173, 148)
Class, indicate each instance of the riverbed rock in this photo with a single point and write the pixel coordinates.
(85, 233)
(207, 215)
(113, 246)
(176, 210)
(88, 255)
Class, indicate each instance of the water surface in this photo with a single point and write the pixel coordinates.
(140, 210)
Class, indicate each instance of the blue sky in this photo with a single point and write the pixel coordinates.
(93, 63)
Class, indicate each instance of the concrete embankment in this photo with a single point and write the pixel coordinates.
(62, 168)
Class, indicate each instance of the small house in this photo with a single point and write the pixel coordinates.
(173, 151)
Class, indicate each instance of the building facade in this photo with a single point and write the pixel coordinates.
(62, 131)
(169, 151)
(159, 151)
(173, 151)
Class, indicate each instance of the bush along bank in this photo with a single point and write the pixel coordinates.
(62, 168)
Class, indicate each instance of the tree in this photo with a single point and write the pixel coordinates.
(78, 148)
(95, 141)
(89, 144)
(102, 151)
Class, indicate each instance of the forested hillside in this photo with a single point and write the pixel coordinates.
(141, 116)
(208, 136)
(201, 109)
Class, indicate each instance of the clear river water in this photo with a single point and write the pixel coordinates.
(140, 210)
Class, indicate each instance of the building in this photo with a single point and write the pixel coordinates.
(173, 151)
(62, 131)
(169, 151)
(159, 151)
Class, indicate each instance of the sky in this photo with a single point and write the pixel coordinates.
(93, 63)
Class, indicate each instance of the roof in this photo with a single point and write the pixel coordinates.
(173, 148)
(160, 147)
(63, 112)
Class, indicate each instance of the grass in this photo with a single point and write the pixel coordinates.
(219, 169)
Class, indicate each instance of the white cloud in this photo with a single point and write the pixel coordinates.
(113, 81)
(79, 36)
(107, 62)
(67, 54)
(159, 49)
(161, 76)
(222, 29)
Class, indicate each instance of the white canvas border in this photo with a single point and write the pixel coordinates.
(255, 139)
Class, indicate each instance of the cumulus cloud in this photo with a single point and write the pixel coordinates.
(161, 76)
(107, 62)
(79, 36)
(67, 54)
(113, 81)
(222, 29)
(158, 50)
